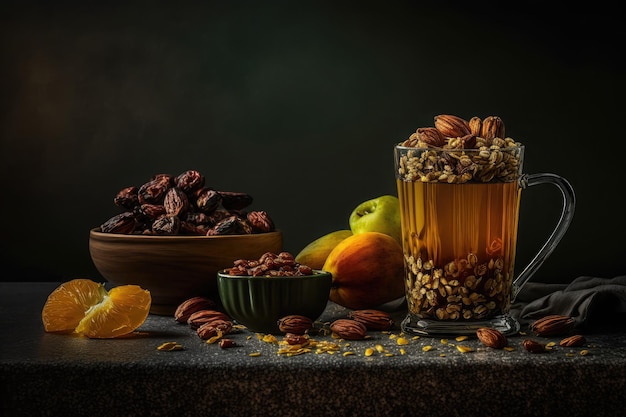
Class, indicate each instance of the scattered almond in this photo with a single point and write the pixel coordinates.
(373, 319)
(295, 324)
(190, 306)
(573, 341)
(491, 338)
(348, 329)
(553, 325)
(533, 346)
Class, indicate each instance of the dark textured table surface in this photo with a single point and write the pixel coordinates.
(56, 375)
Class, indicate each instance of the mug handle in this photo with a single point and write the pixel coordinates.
(567, 213)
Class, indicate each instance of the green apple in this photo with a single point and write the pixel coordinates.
(381, 214)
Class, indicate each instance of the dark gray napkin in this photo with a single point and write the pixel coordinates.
(596, 304)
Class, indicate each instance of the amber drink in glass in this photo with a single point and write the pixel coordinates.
(459, 211)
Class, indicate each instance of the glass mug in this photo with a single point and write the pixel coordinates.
(459, 211)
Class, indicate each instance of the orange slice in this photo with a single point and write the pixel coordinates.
(85, 307)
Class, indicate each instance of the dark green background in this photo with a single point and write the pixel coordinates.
(299, 105)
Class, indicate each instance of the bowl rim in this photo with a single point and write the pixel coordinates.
(318, 273)
(95, 232)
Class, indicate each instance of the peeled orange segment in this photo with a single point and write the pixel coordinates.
(86, 308)
(66, 305)
(124, 309)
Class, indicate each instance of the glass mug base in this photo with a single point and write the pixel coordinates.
(506, 324)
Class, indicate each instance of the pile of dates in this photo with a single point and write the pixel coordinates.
(183, 205)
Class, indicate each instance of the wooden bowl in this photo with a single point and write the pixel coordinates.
(174, 268)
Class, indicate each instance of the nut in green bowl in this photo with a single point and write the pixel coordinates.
(258, 302)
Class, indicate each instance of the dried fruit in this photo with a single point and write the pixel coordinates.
(166, 225)
(373, 319)
(127, 198)
(295, 324)
(269, 265)
(348, 329)
(201, 317)
(491, 338)
(235, 201)
(296, 339)
(149, 212)
(216, 327)
(190, 306)
(121, 223)
(260, 222)
(452, 126)
(227, 343)
(153, 192)
(175, 202)
(553, 325)
(207, 200)
(168, 205)
(189, 181)
(573, 341)
(232, 225)
(533, 346)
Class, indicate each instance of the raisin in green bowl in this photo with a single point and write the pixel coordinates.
(258, 302)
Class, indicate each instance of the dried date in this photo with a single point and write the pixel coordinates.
(197, 218)
(167, 205)
(218, 215)
(235, 201)
(187, 228)
(260, 222)
(208, 200)
(127, 198)
(175, 202)
(166, 225)
(149, 212)
(121, 223)
(232, 225)
(189, 181)
(167, 179)
(153, 192)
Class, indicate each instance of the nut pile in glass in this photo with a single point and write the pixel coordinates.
(458, 151)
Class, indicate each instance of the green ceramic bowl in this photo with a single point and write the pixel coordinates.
(259, 302)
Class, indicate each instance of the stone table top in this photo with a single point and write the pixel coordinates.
(44, 374)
